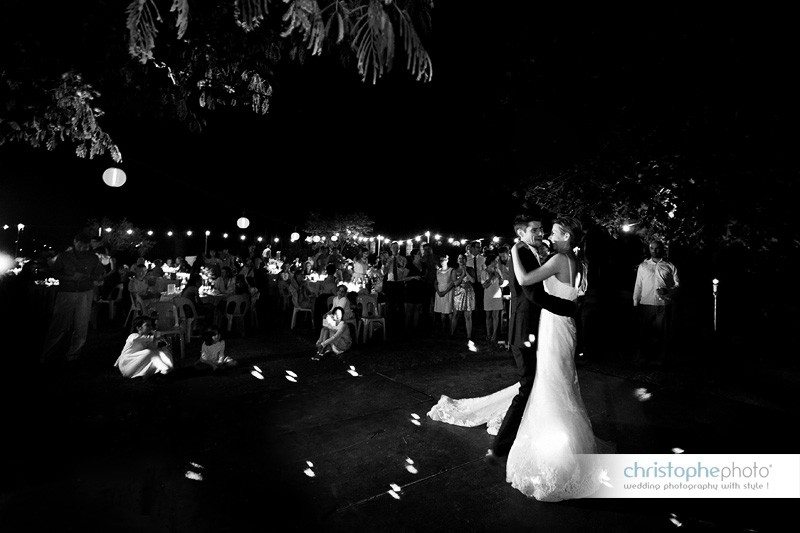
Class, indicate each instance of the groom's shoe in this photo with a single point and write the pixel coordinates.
(491, 458)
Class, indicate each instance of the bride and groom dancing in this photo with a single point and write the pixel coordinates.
(540, 423)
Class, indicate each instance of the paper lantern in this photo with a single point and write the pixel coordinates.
(114, 177)
(295, 236)
(243, 222)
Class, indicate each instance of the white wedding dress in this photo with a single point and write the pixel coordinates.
(550, 459)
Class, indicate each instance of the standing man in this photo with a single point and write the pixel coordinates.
(429, 266)
(392, 286)
(526, 305)
(475, 265)
(656, 285)
(78, 271)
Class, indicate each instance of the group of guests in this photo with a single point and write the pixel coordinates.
(414, 286)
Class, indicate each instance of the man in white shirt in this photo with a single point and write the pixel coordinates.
(656, 285)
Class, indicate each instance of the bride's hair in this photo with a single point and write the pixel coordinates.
(574, 227)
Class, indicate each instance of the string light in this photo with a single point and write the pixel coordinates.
(149, 233)
(169, 234)
(108, 230)
(189, 233)
(276, 239)
(129, 232)
(260, 239)
(242, 237)
(224, 235)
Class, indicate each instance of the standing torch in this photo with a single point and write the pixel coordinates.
(715, 283)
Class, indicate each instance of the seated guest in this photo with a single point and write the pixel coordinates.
(138, 285)
(299, 287)
(360, 266)
(284, 292)
(225, 284)
(247, 270)
(341, 300)
(144, 353)
(157, 271)
(183, 265)
(212, 351)
(241, 286)
(211, 259)
(335, 335)
(327, 287)
(192, 289)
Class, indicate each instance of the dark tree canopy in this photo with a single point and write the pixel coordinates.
(185, 58)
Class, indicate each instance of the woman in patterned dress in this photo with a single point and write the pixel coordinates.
(463, 296)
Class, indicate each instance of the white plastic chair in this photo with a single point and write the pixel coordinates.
(236, 308)
(113, 299)
(370, 316)
(298, 309)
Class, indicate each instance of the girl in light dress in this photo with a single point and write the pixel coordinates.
(492, 281)
(335, 335)
(443, 304)
(212, 351)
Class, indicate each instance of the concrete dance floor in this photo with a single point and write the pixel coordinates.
(243, 450)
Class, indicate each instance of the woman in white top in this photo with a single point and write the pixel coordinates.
(492, 280)
(360, 267)
(144, 353)
(226, 283)
(340, 300)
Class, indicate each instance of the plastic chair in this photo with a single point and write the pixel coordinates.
(298, 309)
(167, 321)
(136, 310)
(113, 299)
(236, 308)
(187, 313)
(370, 316)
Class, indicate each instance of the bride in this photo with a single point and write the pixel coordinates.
(550, 459)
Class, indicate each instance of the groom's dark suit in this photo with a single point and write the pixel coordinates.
(526, 305)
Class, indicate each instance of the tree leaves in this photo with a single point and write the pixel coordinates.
(62, 111)
(142, 31)
(182, 21)
(250, 13)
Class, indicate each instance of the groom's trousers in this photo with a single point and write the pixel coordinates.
(526, 365)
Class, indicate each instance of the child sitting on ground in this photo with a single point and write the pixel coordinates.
(212, 352)
(335, 335)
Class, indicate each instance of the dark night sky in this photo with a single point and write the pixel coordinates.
(513, 94)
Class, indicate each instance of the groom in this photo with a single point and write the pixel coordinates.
(526, 305)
